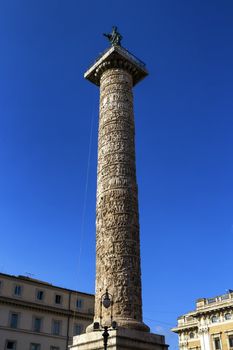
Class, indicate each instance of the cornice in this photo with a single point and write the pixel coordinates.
(45, 308)
(35, 282)
(183, 328)
(213, 310)
(116, 57)
(43, 334)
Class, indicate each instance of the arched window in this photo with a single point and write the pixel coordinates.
(228, 316)
(214, 319)
(191, 335)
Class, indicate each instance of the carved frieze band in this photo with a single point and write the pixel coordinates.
(117, 222)
(116, 64)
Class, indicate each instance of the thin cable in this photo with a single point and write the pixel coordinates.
(86, 187)
(150, 319)
(82, 231)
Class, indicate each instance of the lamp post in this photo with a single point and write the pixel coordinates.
(105, 336)
(106, 301)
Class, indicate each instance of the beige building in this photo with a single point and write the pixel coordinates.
(36, 315)
(209, 327)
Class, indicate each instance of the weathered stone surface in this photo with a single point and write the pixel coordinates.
(118, 269)
(117, 223)
(120, 339)
(117, 57)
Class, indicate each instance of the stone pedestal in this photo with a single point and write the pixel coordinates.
(120, 339)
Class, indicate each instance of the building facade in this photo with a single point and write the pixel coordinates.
(209, 327)
(36, 315)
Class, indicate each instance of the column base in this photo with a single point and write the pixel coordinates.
(124, 323)
(119, 339)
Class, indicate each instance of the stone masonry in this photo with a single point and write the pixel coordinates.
(117, 220)
(116, 71)
(117, 226)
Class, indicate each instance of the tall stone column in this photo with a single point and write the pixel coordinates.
(117, 222)
(116, 71)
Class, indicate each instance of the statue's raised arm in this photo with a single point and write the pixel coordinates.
(108, 36)
(115, 37)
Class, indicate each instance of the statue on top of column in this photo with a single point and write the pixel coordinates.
(115, 37)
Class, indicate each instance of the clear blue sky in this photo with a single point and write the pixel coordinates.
(184, 139)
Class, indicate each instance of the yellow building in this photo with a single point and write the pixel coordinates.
(35, 315)
(209, 327)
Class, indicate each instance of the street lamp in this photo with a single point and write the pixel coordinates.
(106, 301)
(105, 336)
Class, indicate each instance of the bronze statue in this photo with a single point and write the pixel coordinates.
(114, 37)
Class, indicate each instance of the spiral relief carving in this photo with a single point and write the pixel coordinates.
(117, 221)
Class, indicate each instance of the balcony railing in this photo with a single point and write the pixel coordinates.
(219, 299)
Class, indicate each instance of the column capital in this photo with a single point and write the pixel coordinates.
(116, 57)
(203, 329)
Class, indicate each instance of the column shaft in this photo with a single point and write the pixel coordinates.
(117, 222)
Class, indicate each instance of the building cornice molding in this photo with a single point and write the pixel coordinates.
(45, 308)
(43, 334)
(185, 328)
(213, 310)
(29, 280)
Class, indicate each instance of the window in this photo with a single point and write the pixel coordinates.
(189, 318)
(214, 319)
(34, 346)
(217, 343)
(10, 344)
(211, 300)
(228, 316)
(191, 335)
(54, 348)
(37, 324)
(1, 285)
(56, 327)
(78, 329)
(40, 295)
(14, 319)
(58, 299)
(79, 303)
(230, 339)
(18, 290)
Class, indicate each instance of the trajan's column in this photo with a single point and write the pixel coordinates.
(118, 270)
